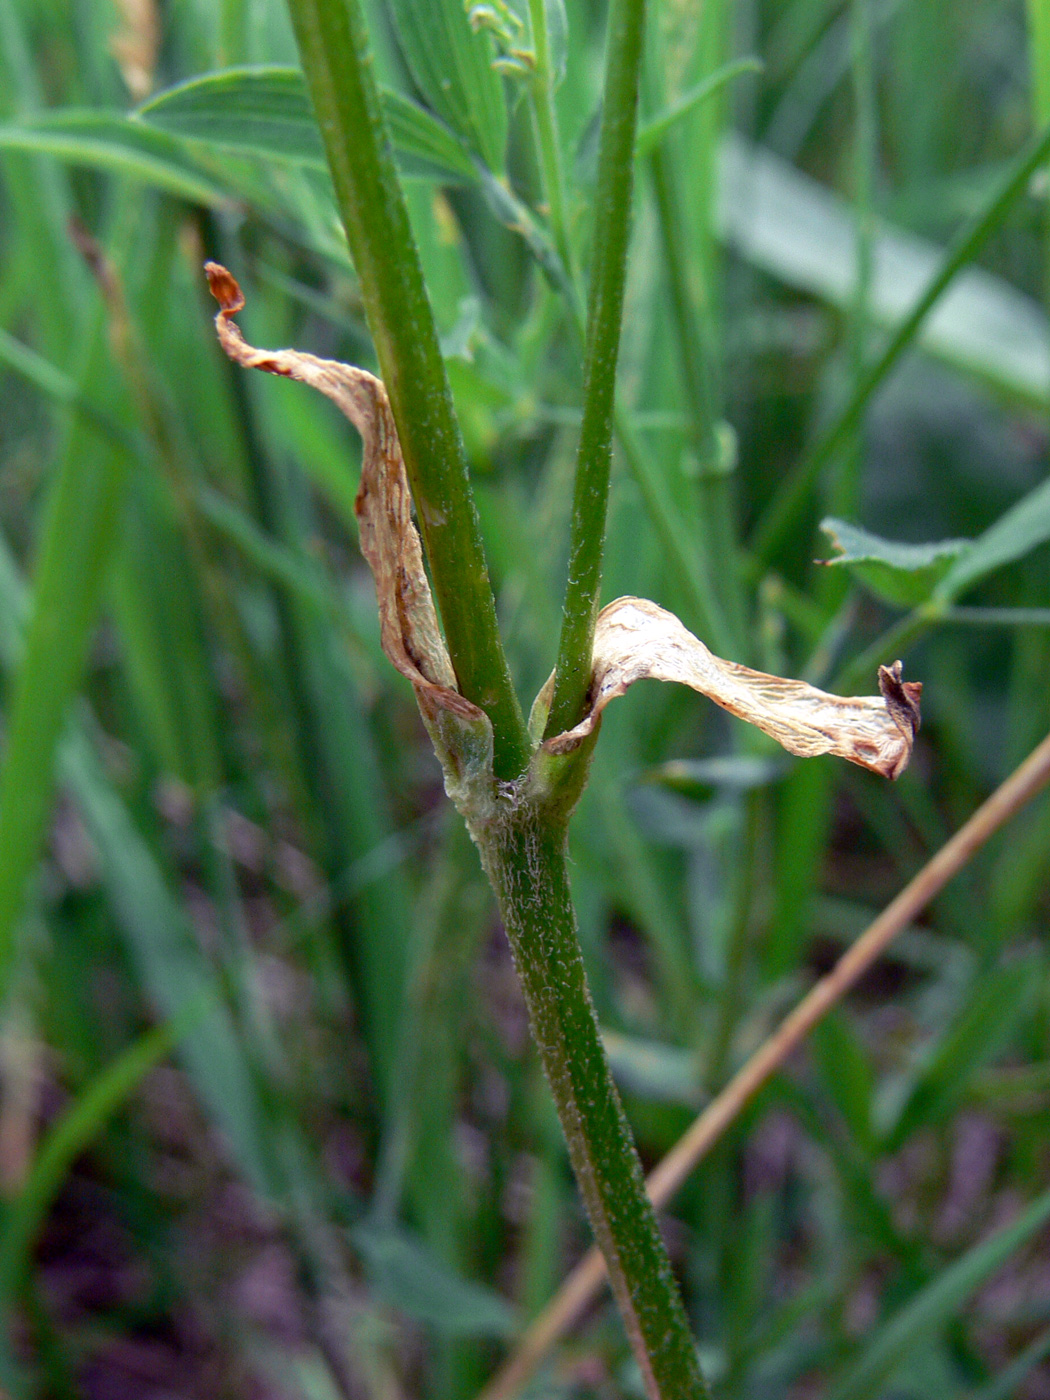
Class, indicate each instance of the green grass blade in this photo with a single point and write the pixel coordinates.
(162, 944)
(169, 963)
(921, 1321)
(983, 1027)
(652, 131)
(109, 141)
(1021, 529)
(74, 1131)
(76, 544)
(62, 389)
(1007, 1384)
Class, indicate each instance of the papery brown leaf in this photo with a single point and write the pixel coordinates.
(635, 640)
(390, 541)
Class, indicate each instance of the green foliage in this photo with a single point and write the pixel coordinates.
(222, 840)
(904, 574)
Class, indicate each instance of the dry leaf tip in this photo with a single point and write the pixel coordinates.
(224, 288)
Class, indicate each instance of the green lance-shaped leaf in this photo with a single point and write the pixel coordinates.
(912, 574)
(267, 112)
(451, 66)
(904, 574)
(111, 141)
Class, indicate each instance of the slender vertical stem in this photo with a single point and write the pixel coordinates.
(717, 546)
(612, 209)
(525, 861)
(547, 138)
(844, 495)
(333, 44)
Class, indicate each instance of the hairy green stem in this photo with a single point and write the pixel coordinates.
(524, 856)
(333, 45)
(612, 210)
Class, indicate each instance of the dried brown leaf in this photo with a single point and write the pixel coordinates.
(636, 640)
(390, 541)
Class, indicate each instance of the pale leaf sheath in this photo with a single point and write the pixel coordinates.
(636, 640)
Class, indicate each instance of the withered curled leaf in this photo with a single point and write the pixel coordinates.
(390, 542)
(636, 640)
(409, 631)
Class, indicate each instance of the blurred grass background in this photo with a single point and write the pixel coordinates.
(271, 1125)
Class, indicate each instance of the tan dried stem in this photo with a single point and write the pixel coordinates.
(569, 1304)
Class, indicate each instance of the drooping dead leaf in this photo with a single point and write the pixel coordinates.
(636, 640)
(390, 542)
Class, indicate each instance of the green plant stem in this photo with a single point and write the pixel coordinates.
(333, 45)
(666, 518)
(547, 133)
(612, 210)
(788, 501)
(525, 861)
(844, 492)
(731, 996)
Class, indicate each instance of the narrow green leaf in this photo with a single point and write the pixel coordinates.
(653, 131)
(408, 1275)
(980, 1032)
(273, 559)
(903, 574)
(998, 617)
(109, 141)
(847, 1076)
(264, 110)
(915, 308)
(78, 1126)
(267, 112)
(919, 1322)
(74, 551)
(162, 944)
(60, 387)
(1006, 1385)
(803, 233)
(1025, 526)
(169, 962)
